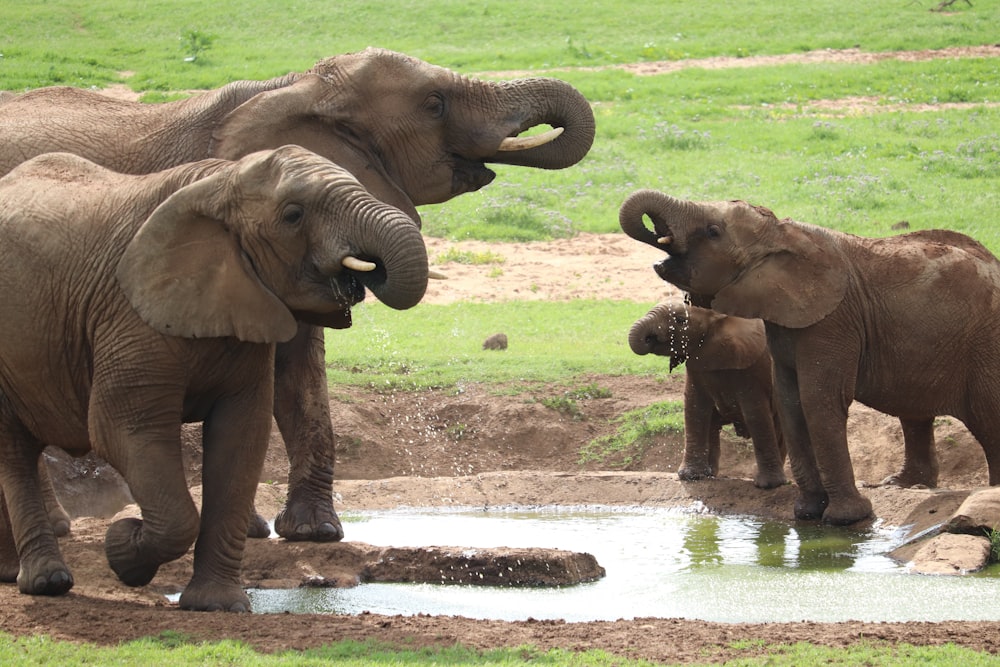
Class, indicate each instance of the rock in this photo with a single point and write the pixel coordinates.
(498, 566)
(979, 514)
(267, 564)
(949, 553)
(497, 341)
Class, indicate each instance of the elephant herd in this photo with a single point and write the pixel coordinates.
(178, 262)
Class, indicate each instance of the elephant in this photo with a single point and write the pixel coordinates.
(135, 303)
(905, 324)
(727, 381)
(413, 134)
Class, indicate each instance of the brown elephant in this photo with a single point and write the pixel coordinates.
(411, 132)
(133, 304)
(727, 381)
(906, 325)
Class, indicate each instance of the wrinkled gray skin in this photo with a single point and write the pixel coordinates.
(906, 325)
(411, 132)
(155, 300)
(727, 381)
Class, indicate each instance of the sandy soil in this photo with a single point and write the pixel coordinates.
(399, 450)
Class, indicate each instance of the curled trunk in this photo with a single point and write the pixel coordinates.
(548, 102)
(662, 210)
(639, 334)
(392, 241)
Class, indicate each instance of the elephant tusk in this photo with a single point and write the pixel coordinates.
(665, 240)
(523, 143)
(434, 275)
(358, 264)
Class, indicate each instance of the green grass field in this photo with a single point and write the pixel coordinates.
(923, 149)
(743, 133)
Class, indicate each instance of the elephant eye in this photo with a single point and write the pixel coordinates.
(714, 231)
(292, 215)
(434, 105)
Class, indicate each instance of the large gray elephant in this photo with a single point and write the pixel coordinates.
(906, 325)
(411, 132)
(727, 381)
(135, 303)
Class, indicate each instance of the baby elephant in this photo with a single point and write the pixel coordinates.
(906, 325)
(728, 381)
(132, 304)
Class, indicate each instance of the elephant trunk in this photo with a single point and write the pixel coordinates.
(548, 102)
(391, 241)
(664, 211)
(639, 336)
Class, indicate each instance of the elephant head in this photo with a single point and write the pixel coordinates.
(411, 132)
(702, 338)
(277, 236)
(740, 259)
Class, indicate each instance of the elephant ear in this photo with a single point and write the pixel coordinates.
(252, 125)
(307, 113)
(732, 343)
(186, 275)
(796, 275)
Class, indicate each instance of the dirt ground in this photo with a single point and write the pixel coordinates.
(482, 447)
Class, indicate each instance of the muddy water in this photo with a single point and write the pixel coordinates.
(660, 563)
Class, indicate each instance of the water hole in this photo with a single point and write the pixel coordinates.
(661, 563)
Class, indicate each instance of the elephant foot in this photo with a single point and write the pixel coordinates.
(691, 473)
(769, 480)
(845, 511)
(908, 478)
(9, 572)
(810, 506)
(312, 522)
(214, 596)
(258, 528)
(51, 578)
(121, 545)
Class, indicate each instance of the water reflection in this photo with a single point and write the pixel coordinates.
(662, 563)
(745, 541)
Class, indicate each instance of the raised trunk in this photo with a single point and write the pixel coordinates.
(663, 210)
(547, 102)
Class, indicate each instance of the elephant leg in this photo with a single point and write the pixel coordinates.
(58, 516)
(29, 551)
(302, 411)
(10, 564)
(920, 463)
(812, 499)
(701, 425)
(984, 425)
(714, 442)
(824, 393)
(144, 446)
(235, 441)
(150, 461)
(766, 448)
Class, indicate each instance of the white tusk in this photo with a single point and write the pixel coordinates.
(665, 240)
(522, 143)
(434, 275)
(358, 264)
